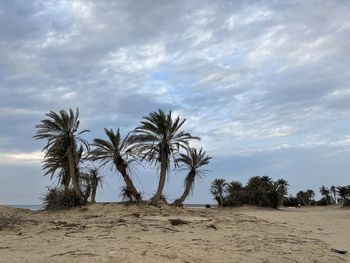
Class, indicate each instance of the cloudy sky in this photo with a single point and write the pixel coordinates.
(265, 84)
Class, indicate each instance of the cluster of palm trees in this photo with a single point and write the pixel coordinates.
(159, 140)
(334, 195)
(259, 191)
(331, 195)
(306, 197)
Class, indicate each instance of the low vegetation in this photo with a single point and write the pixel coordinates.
(58, 198)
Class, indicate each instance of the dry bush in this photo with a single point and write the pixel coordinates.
(178, 221)
(9, 222)
(57, 199)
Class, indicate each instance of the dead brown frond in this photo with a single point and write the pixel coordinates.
(176, 222)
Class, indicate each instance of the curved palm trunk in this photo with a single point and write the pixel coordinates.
(162, 176)
(129, 184)
(179, 201)
(74, 176)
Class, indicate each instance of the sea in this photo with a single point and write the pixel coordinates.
(30, 207)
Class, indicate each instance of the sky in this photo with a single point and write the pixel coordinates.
(265, 84)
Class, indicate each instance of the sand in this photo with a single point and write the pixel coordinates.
(115, 233)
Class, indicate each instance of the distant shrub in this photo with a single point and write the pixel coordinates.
(260, 191)
(207, 206)
(346, 202)
(57, 198)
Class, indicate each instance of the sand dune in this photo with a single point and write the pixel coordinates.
(115, 233)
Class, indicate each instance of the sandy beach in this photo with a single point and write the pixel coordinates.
(115, 233)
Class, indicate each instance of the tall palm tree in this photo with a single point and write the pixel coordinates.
(282, 189)
(192, 161)
(61, 132)
(311, 195)
(119, 152)
(325, 192)
(159, 138)
(217, 189)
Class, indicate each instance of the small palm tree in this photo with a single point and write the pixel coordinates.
(95, 181)
(61, 132)
(325, 192)
(158, 138)
(126, 194)
(217, 189)
(192, 161)
(119, 152)
(85, 185)
(234, 190)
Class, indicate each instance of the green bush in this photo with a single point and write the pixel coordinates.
(57, 199)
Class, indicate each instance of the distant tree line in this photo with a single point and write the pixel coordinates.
(331, 195)
(259, 191)
(264, 192)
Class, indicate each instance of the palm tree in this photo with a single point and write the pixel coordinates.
(234, 190)
(217, 189)
(343, 192)
(119, 152)
(259, 187)
(55, 163)
(303, 197)
(282, 189)
(311, 195)
(95, 181)
(61, 132)
(334, 193)
(159, 138)
(325, 192)
(193, 160)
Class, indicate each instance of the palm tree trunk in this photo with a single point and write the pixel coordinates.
(221, 200)
(129, 184)
(74, 176)
(179, 201)
(163, 170)
(87, 193)
(93, 194)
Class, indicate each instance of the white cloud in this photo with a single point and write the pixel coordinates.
(21, 157)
